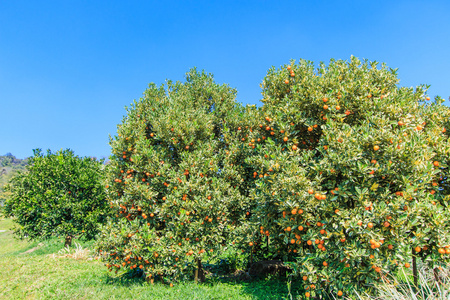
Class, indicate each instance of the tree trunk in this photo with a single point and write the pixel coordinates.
(199, 274)
(68, 242)
(436, 275)
(414, 265)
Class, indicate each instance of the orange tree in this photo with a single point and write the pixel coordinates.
(60, 194)
(177, 182)
(351, 174)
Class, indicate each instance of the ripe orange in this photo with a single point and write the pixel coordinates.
(376, 148)
(417, 249)
(286, 81)
(339, 293)
(338, 107)
(407, 265)
(370, 225)
(436, 163)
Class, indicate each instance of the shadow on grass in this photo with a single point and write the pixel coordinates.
(269, 288)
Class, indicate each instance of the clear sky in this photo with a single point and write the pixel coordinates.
(68, 68)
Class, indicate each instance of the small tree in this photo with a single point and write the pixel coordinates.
(60, 194)
(176, 183)
(358, 178)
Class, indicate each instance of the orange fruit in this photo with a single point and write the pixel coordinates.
(436, 163)
(339, 293)
(376, 148)
(407, 265)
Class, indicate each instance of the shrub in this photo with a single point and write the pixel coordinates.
(176, 182)
(60, 194)
(355, 174)
(341, 174)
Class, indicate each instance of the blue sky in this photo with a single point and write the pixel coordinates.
(68, 68)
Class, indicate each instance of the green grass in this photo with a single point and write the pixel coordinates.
(41, 275)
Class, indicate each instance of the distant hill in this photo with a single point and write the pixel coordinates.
(9, 165)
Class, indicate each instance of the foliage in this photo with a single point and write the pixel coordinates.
(9, 166)
(60, 195)
(176, 181)
(355, 174)
(341, 174)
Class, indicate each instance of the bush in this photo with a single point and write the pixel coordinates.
(60, 194)
(341, 174)
(176, 183)
(355, 174)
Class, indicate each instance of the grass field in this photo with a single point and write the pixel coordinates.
(43, 274)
